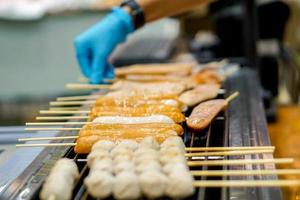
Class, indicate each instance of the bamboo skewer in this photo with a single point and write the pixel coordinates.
(51, 129)
(229, 153)
(61, 117)
(232, 96)
(76, 98)
(244, 172)
(64, 112)
(71, 103)
(64, 108)
(222, 153)
(58, 123)
(228, 148)
(247, 183)
(240, 162)
(75, 86)
(47, 138)
(47, 145)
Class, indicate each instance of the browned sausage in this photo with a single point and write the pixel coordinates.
(204, 113)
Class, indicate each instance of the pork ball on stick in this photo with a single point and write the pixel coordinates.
(103, 145)
(126, 186)
(153, 184)
(61, 180)
(85, 143)
(99, 184)
(180, 185)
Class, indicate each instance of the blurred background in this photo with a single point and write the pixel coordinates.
(37, 57)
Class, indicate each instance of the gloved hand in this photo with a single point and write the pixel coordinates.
(94, 46)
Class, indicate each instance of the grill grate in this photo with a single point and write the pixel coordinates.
(242, 124)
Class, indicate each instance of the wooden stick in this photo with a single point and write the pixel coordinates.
(47, 145)
(47, 138)
(64, 112)
(228, 148)
(71, 103)
(61, 117)
(244, 172)
(76, 98)
(229, 153)
(240, 162)
(57, 123)
(220, 153)
(65, 108)
(233, 96)
(247, 183)
(75, 86)
(51, 129)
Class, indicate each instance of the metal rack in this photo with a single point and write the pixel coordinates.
(242, 124)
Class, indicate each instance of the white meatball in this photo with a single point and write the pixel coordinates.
(61, 180)
(57, 187)
(172, 149)
(149, 142)
(148, 166)
(180, 185)
(171, 167)
(153, 184)
(103, 144)
(124, 167)
(98, 154)
(99, 184)
(102, 165)
(164, 159)
(173, 141)
(126, 186)
(143, 159)
(121, 151)
(129, 144)
(123, 158)
(145, 151)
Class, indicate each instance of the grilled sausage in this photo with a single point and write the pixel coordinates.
(203, 114)
(199, 94)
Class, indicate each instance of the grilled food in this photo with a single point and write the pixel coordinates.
(203, 114)
(61, 180)
(199, 94)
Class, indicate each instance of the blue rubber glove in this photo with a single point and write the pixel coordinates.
(94, 46)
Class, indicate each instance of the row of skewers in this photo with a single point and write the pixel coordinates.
(145, 108)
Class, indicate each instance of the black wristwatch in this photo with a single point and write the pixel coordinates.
(136, 12)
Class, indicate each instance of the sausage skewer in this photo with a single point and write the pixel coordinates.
(203, 114)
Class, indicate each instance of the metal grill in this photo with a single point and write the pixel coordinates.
(242, 124)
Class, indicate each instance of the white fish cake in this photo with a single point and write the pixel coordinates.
(99, 184)
(98, 154)
(164, 159)
(173, 141)
(61, 180)
(102, 165)
(180, 185)
(149, 142)
(129, 144)
(103, 144)
(124, 167)
(118, 151)
(148, 165)
(171, 167)
(153, 184)
(126, 186)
